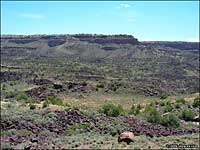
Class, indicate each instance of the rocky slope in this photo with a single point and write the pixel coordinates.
(121, 62)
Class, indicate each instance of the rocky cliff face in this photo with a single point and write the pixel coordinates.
(107, 39)
(54, 40)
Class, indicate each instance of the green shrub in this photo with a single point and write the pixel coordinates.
(196, 102)
(78, 128)
(132, 110)
(46, 133)
(6, 147)
(135, 109)
(70, 131)
(52, 116)
(32, 100)
(157, 102)
(121, 110)
(168, 102)
(168, 108)
(45, 104)
(32, 106)
(113, 131)
(9, 105)
(22, 132)
(111, 110)
(100, 85)
(152, 104)
(3, 87)
(170, 120)
(187, 115)
(10, 95)
(177, 106)
(84, 126)
(152, 114)
(25, 132)
(133, 99)
(163, 96)
(67, 105)
(11, 83)
(22, 96)
(162, 103)
(180, 100)
(54, 101)
(139, 106)
(84, 83)
(114, 88)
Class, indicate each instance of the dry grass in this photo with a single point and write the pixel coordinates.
(189, 98)
(94, 102)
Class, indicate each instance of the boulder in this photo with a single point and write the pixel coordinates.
(126, 137)
(196, 119)
(57, 86)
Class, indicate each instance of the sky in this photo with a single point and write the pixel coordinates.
(147, 21)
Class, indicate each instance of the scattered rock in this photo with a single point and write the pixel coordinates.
(57, 86)
(126, 137)
(196, 119)
(39, 93)
(140, 127)
(34, 140)
(28, 147)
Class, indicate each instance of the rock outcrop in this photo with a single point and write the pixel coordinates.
(54, 40)
(107, 39)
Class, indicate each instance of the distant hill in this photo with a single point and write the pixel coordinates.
(176, 45)
(120, 62)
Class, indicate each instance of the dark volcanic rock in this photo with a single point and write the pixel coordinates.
(40, 81)
(12, 76)
(109, 48)
(106, 39)
(22, 41)
(9, 76)
(57, 85)
(139, 127)
(100, 124)
(39, 93)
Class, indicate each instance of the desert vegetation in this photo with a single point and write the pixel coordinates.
(82, 91)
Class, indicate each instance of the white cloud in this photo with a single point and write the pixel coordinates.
(124, 6)
(193, 40)
(32, 16)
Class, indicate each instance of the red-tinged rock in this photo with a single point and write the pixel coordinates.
(126, 137)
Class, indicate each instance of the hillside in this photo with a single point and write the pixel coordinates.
(118, 61)
(82, 91)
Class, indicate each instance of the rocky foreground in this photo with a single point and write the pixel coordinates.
(72, 121)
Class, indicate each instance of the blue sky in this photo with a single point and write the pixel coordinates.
(172, 21)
